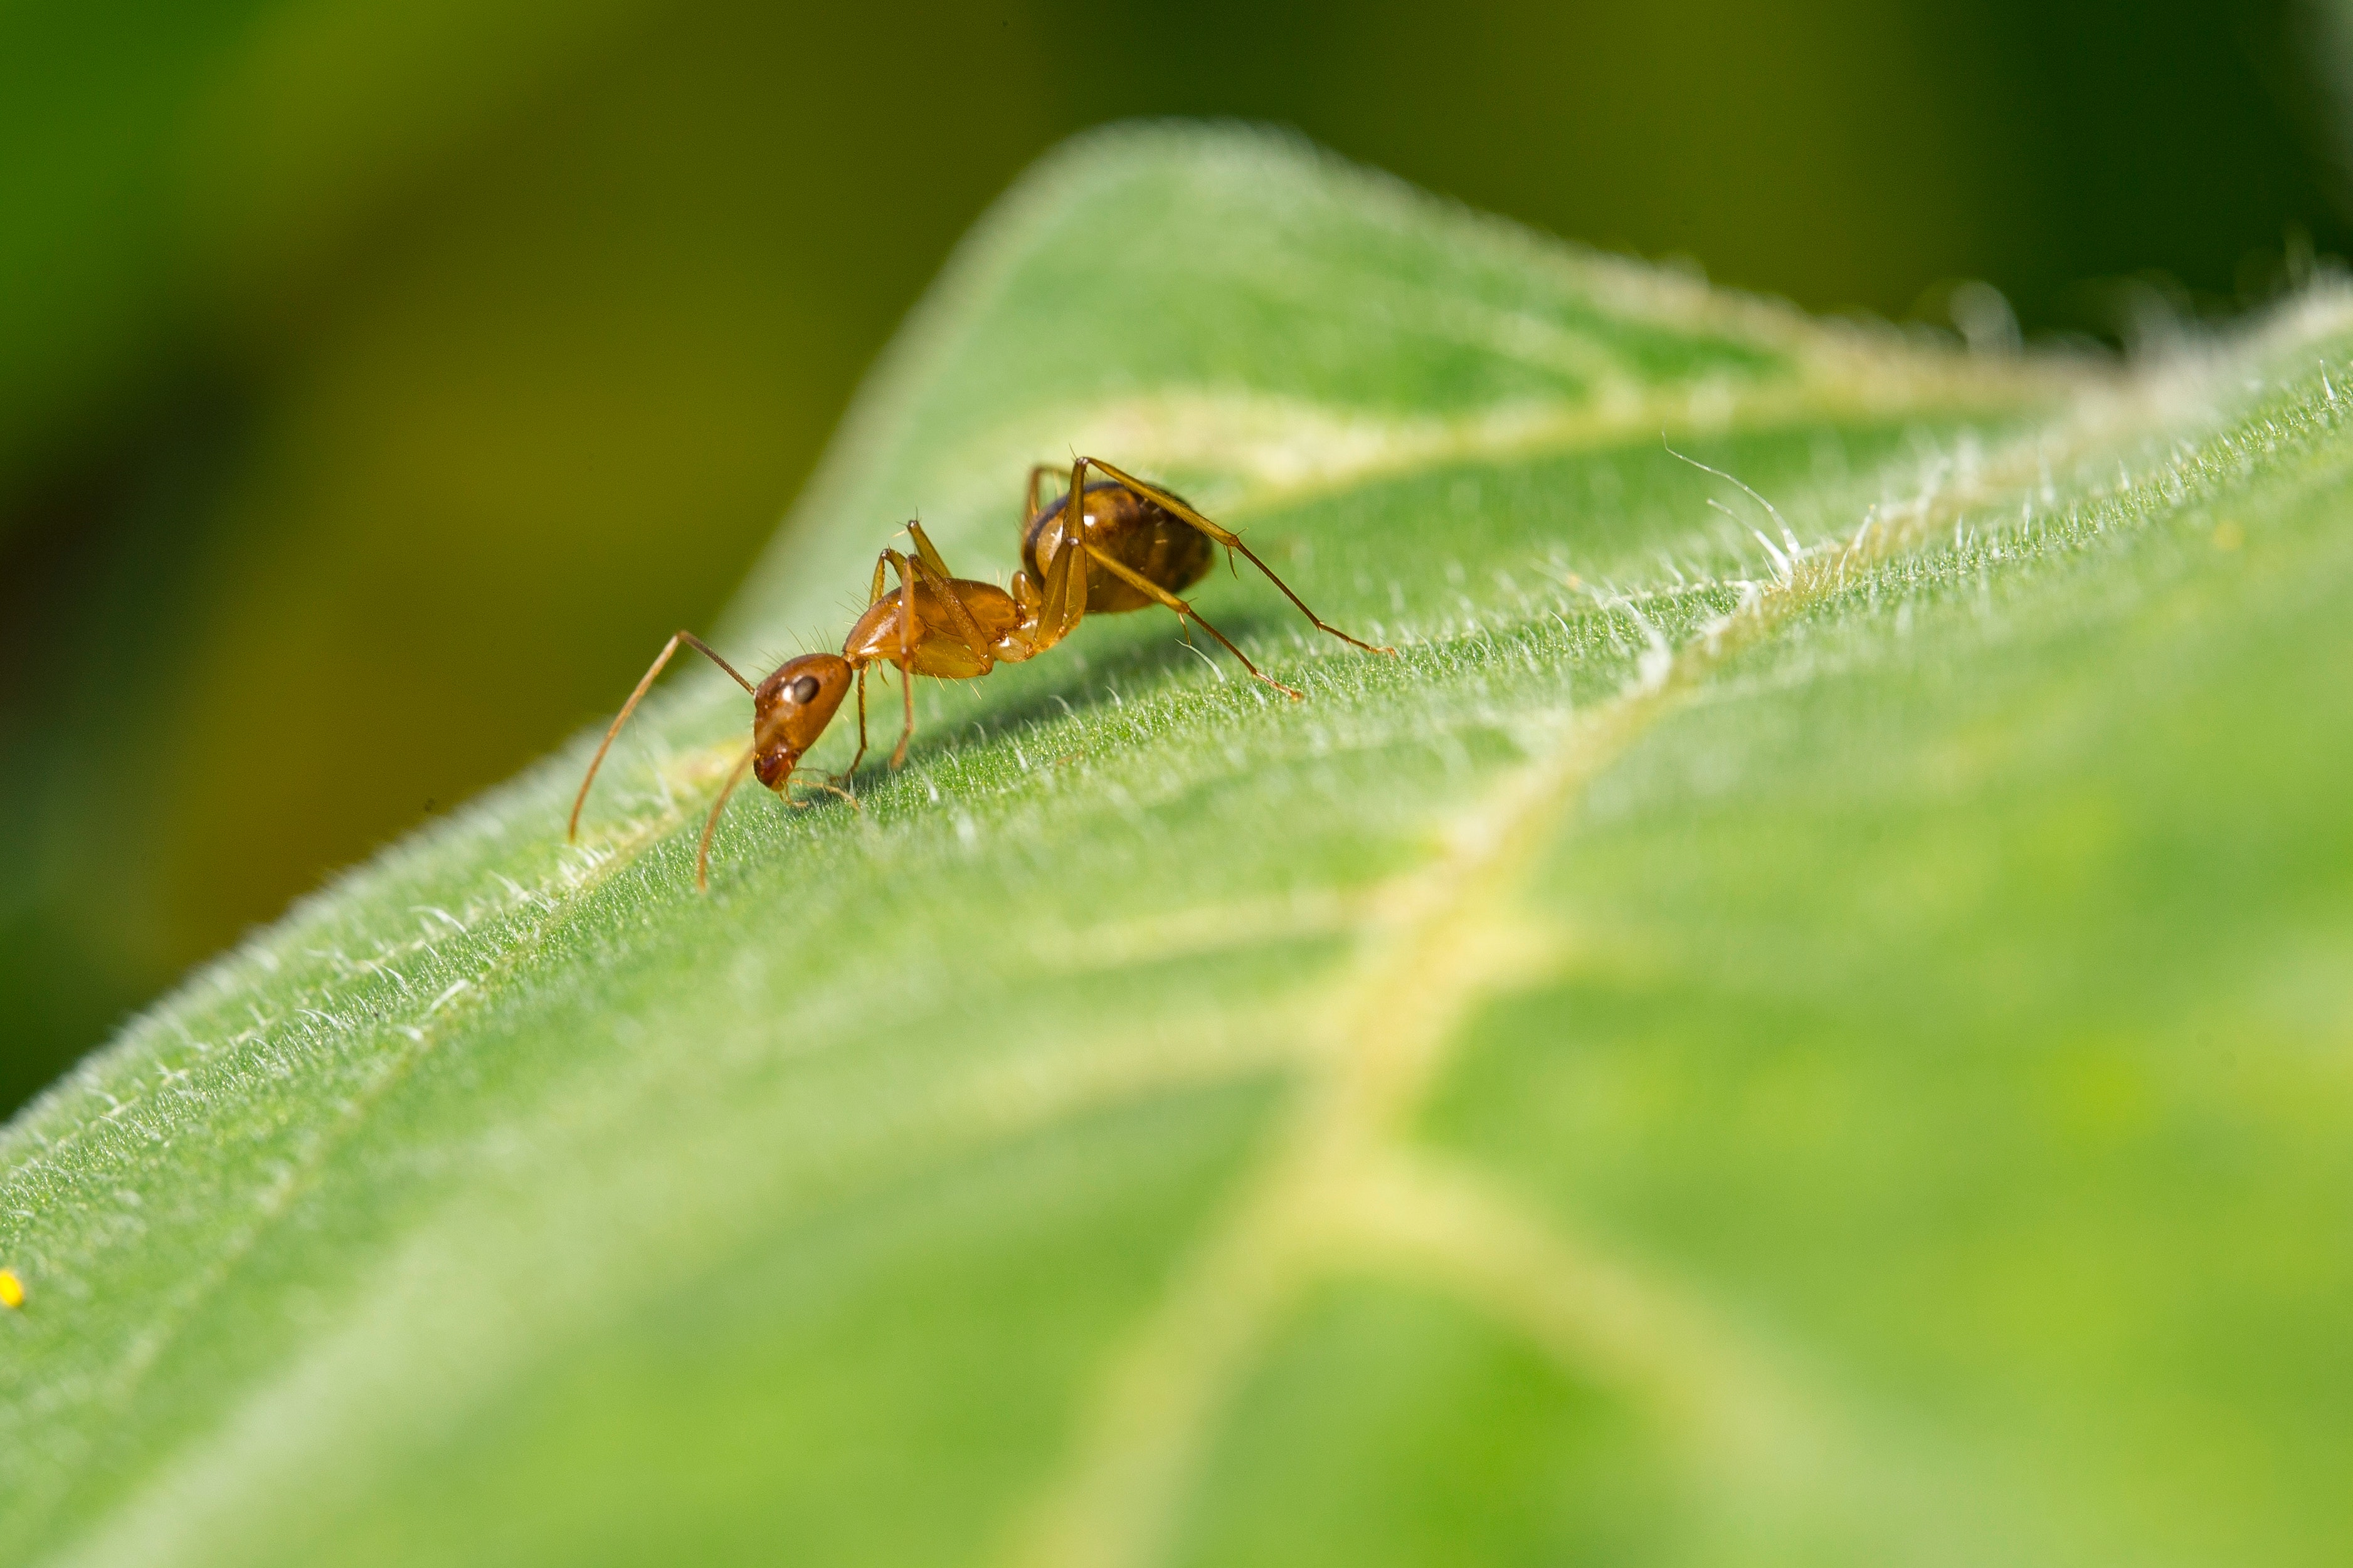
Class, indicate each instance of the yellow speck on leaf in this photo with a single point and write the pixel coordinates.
(2228, 535)
(11, 1289)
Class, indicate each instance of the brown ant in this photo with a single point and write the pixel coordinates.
(1139, 545)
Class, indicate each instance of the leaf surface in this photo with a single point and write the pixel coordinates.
(1801, 1018)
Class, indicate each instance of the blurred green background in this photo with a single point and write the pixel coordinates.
(380, 384)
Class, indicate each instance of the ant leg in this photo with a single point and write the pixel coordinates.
(710, 822)
(1029, 510)
(826, 783)
(907, 733)
(907, 653)
(1050, 609)
(1065, 599)
(926, 553)
(931, 567)
(860, 757)
(1175, 505)
(572, 828)
(1185, 612)
(967, 630)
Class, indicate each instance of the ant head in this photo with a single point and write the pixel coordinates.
(791, 708)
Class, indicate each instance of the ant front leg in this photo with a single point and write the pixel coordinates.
(906, 660)
(873, 597)
(906, 730)
(825, 780)
(852, 771)
(572, 828)
(1177, 507)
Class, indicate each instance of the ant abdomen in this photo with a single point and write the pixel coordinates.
(1135, 531)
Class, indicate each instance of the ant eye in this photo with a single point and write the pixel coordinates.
(805, 690)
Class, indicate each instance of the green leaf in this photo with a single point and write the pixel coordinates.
(1813, 1035)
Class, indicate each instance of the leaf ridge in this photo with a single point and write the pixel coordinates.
(553, 897)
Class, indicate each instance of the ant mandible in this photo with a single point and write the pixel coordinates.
(1137, 546)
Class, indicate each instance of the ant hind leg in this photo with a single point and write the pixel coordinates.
(1186, 614)
(1177, 507)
